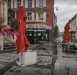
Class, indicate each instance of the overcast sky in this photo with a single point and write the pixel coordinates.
(66, 10)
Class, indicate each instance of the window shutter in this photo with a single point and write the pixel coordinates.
(32, 3)
(32, 16)
(44, 3)
(26, 3)
(15, 3)
(21, 2)
(44, 17)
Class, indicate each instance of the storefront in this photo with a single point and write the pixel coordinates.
(36, 33)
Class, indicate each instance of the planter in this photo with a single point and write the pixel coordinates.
(27, 58)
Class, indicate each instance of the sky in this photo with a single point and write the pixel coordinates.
(66, 10)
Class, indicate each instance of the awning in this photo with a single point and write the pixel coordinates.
(38, 26)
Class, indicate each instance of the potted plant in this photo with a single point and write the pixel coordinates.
(40, 10)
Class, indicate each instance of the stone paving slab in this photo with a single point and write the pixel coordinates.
(42, 67)
(8, 57)
(6, 61)
(43, 61)
(66, 64)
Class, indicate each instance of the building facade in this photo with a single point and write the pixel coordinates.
(40, 18)
(3, 11)
(73, 26)
(3, 14)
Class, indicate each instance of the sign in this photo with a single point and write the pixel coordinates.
(38, 26)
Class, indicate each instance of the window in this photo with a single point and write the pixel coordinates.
(29, 3)
(73, 36)
(29, 16)
(41, 17)
(40, 3)
(18, 3)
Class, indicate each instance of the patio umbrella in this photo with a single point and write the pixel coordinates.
(7, 28)
(22, 41)
(66, 36)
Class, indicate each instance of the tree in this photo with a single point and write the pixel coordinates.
(14, 23)
(13, 20)
(55, 32)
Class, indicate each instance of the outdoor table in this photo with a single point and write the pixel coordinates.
(65, 46)
(41, 43)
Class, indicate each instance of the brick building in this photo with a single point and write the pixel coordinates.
(40, 18)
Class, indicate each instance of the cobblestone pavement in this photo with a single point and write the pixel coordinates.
(47, 62)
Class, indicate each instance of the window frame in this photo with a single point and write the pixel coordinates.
(41, 4)
(18, 3)
(29, 16)
(41, 17)
(29, 3)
